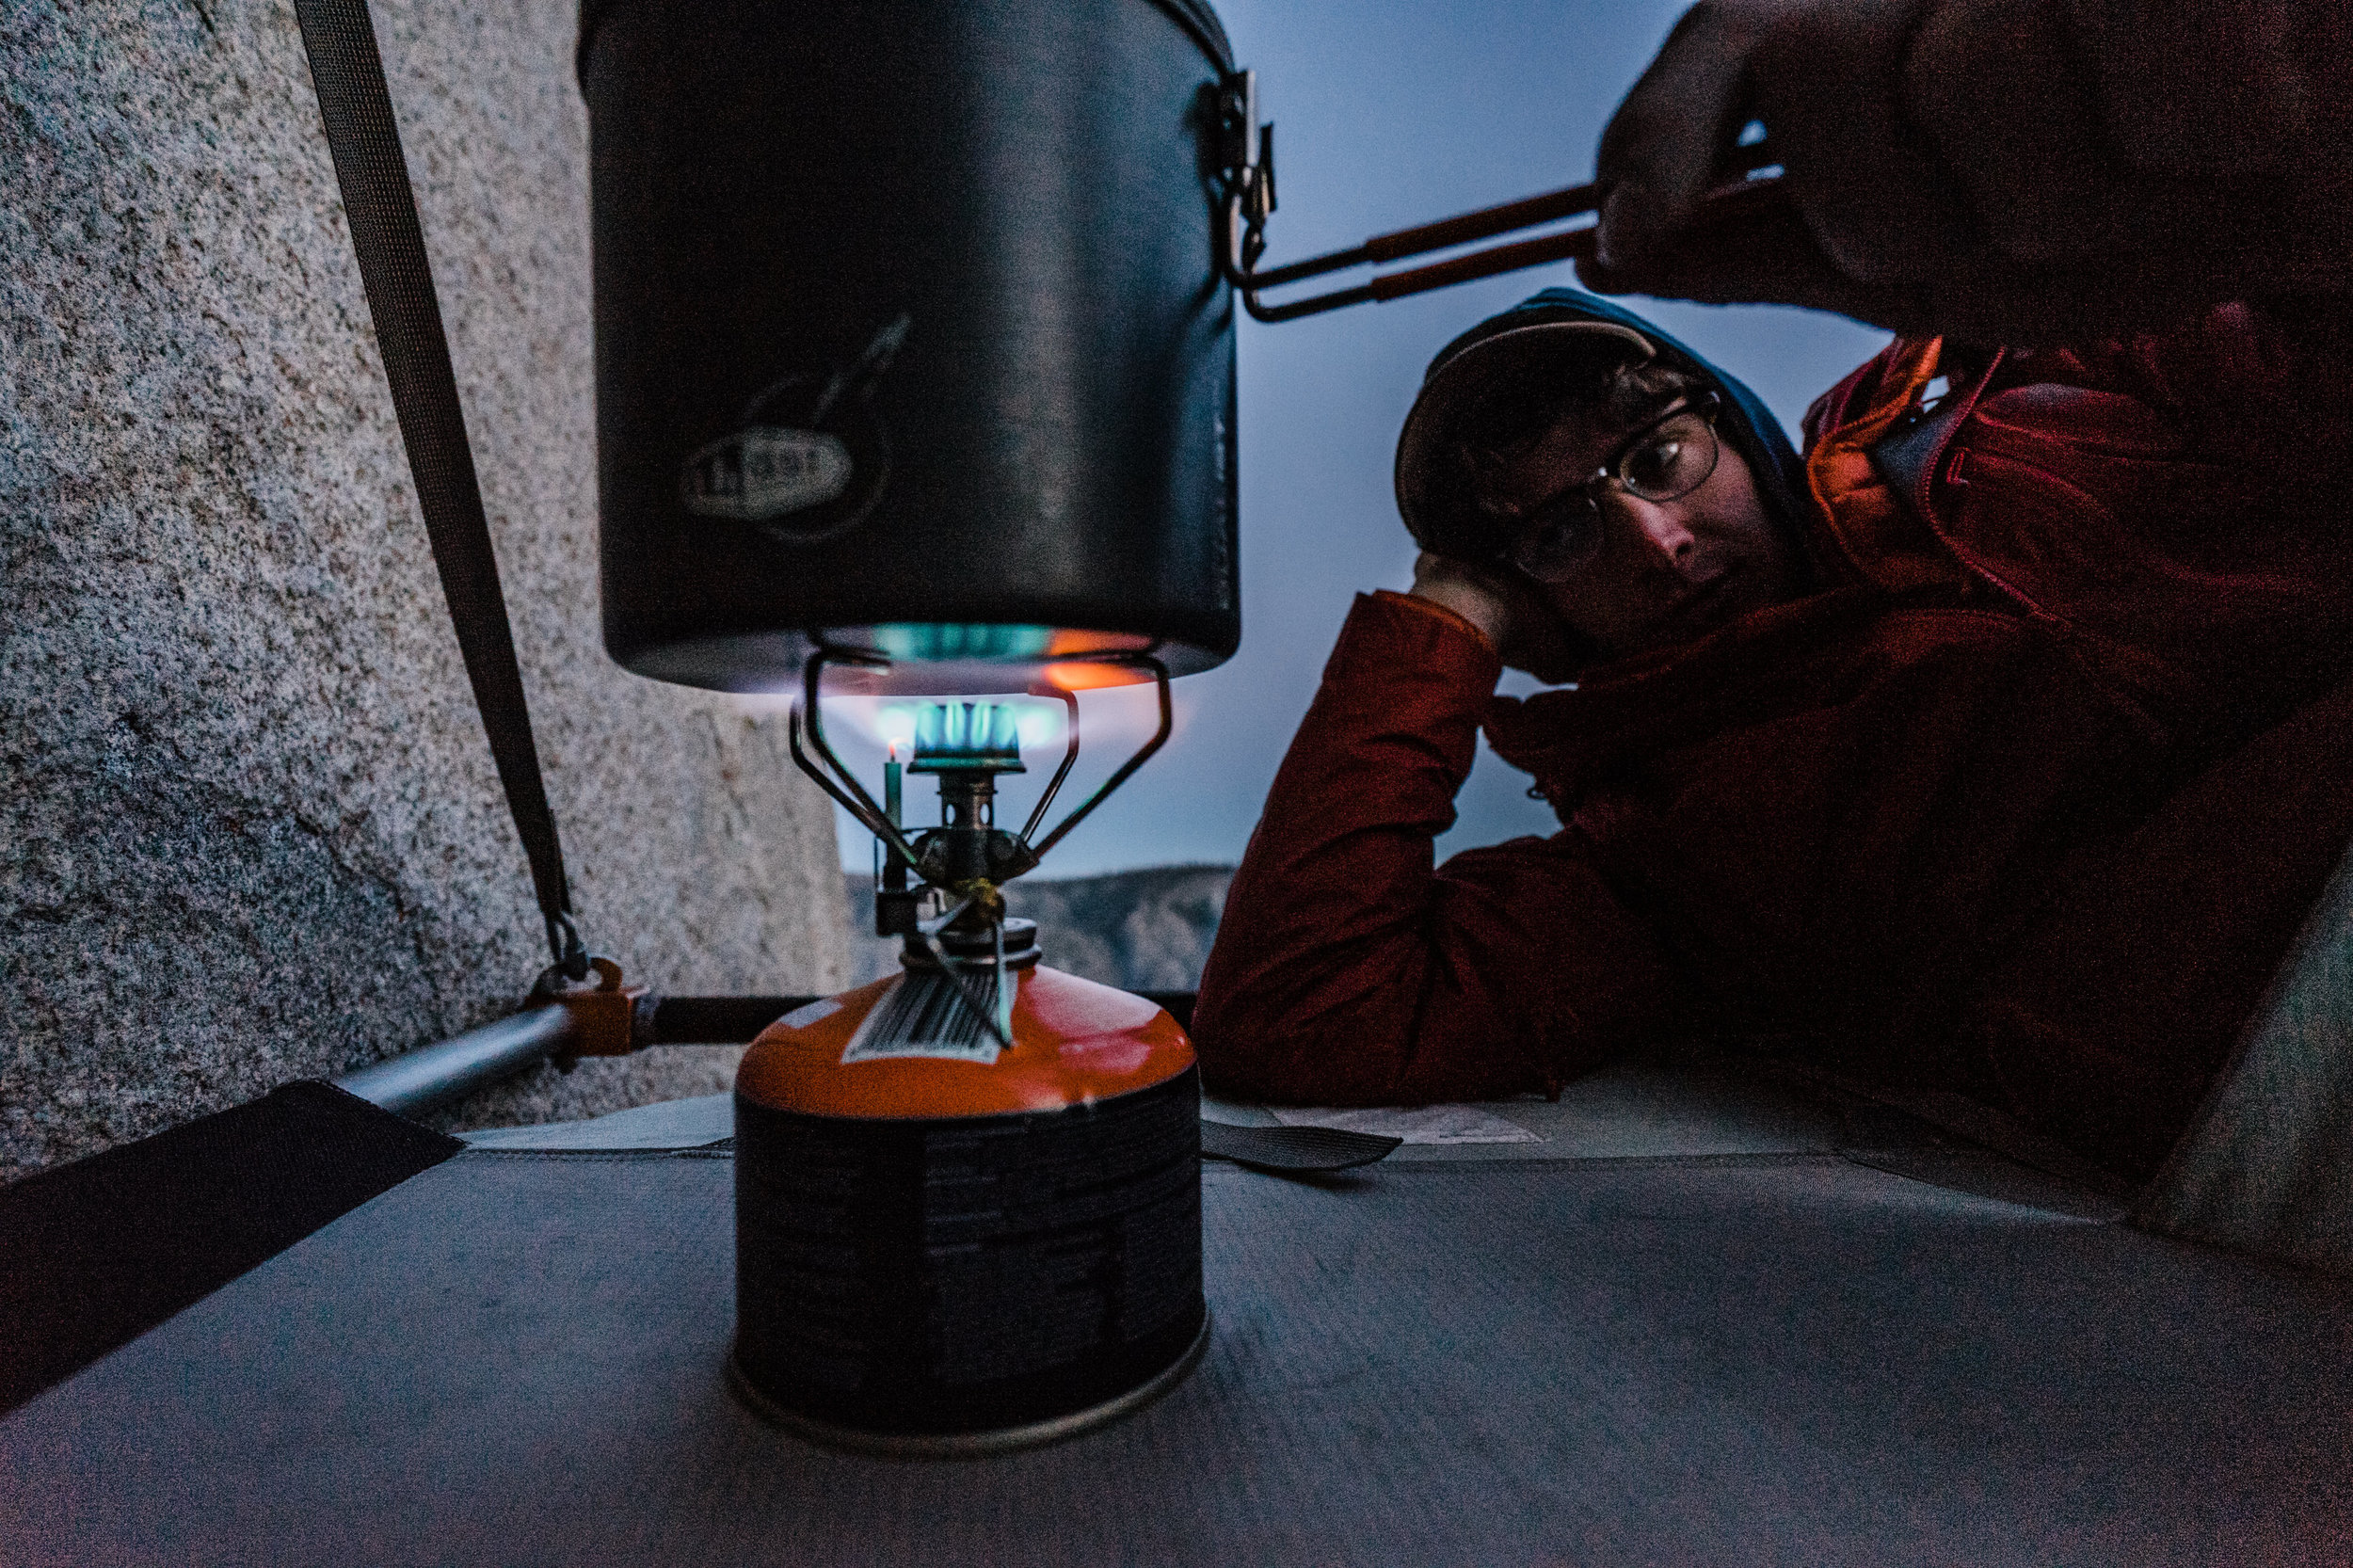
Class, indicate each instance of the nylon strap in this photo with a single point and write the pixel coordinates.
(364, 139)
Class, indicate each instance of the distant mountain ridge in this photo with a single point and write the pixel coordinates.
(1146, 930)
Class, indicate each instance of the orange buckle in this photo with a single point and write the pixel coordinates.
(604, 1012)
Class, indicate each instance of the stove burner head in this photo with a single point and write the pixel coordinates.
(967, 737)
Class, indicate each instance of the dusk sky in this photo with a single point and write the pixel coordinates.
(1390, 113)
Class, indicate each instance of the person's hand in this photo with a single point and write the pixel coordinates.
(2003, 170)
(1525, 631)
(1470, 592)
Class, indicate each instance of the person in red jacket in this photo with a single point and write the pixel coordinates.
(1997, 745)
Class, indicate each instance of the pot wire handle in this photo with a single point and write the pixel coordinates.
(1247, 150)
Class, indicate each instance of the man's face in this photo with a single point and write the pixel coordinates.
(1656, 573)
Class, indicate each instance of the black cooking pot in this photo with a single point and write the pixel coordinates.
(909, 336)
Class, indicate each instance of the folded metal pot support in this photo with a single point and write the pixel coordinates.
(1008, 854)
(967, 860)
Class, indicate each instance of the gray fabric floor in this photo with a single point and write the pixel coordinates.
(1718, 1357)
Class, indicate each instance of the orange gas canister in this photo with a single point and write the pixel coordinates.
(945, 1244)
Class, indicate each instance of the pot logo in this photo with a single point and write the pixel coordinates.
(809, 456)
(765, 472)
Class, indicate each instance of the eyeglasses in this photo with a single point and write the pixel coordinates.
(1664, 460)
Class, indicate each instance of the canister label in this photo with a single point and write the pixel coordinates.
(967, 1273)
(924, 1014)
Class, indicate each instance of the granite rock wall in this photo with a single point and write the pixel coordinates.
(249, 830)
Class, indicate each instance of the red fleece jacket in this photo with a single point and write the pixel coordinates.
(2027, 801)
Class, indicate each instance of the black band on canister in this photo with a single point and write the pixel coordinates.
(967, 1274)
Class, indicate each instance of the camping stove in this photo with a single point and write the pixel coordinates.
(968, 1195)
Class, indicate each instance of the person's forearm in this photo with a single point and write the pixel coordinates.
(1339, 869)
(1347, 969)
(1369, 781)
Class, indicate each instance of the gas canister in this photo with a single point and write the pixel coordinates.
(948, 1243)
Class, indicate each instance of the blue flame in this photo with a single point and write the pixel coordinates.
(935, 642)
(968, 735)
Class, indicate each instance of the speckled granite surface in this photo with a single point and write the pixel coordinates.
(249, 827)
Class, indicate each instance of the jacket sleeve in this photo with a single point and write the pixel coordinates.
(1347, 971)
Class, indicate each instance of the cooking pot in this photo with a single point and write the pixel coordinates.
(910, 337)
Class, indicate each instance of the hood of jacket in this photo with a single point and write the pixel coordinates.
(1451, 383)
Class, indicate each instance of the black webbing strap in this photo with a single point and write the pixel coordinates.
(374, 175)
